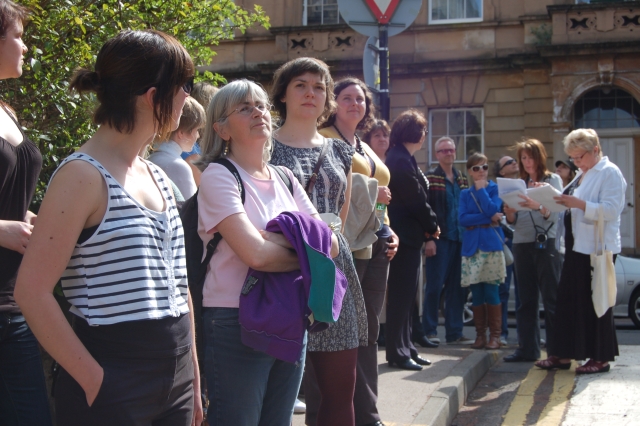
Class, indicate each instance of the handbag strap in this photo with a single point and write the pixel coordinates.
(599, 232)
(480, 208)
(314, 176)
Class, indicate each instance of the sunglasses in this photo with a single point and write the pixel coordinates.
(447, 151)
(188, 86)
(478, 168)
(507, 163)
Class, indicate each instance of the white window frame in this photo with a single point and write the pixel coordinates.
(432, 138)
(453, 21)
(305, 10)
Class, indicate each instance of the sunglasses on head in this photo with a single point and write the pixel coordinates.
(478, 168)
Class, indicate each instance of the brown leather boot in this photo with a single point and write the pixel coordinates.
(494, 314)
(480, 320)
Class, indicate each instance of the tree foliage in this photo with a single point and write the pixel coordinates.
(66, 34)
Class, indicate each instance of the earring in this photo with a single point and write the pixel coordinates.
(225, 152)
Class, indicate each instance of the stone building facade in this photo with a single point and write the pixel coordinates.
(486, 72)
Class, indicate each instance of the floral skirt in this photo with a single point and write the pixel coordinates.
(483, 267)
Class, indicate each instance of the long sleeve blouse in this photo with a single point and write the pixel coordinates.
(479, 235)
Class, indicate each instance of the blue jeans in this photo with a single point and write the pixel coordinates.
(23, 393)
(444, 268)
(246, 387)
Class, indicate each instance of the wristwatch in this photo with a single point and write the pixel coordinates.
(540, 208)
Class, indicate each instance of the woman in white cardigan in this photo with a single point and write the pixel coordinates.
(579, 333)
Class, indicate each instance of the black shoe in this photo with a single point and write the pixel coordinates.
(420, 361)
(378, 423)
(407, 364)
(516, 357)
(425, 342)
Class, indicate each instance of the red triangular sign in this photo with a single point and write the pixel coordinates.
(382, 9)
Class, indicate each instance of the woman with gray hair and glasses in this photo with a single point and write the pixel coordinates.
(599, 185)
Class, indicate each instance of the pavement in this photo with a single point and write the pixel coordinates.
(434, 395)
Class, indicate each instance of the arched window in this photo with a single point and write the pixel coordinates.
(606, 109)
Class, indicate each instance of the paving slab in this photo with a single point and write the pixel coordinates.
(434, 395)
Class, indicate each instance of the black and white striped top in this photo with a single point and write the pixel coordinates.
(133, 266)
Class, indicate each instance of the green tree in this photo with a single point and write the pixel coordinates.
(66, 34)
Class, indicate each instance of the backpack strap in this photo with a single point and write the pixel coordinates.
(283, 176)
(229, 165)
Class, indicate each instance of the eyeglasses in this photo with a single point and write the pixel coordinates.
(188, 86)
(507, 163)
(478, 168)
(446, 151)
(578, 158)
(246, 110)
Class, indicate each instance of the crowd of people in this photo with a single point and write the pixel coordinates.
(322, 220)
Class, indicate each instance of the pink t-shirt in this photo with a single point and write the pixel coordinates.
(218, 199)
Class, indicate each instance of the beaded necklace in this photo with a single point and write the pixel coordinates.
(359, 149)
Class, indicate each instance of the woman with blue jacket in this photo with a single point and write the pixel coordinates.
(483, 264)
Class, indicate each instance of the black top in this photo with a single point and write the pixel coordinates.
(409, 212)
(19, 170)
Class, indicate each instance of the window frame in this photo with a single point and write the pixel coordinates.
(453, 21)
(305, 14)
(431, 160)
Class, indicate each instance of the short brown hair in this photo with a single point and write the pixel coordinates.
(193, 116)
(409, 127)
(476, 158)
(296, 68)
(535, 149)
(127, 66)
(9, 13)
(370, 111)
(374, 126)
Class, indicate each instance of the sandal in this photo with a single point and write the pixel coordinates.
(593, 367)
(553, 363)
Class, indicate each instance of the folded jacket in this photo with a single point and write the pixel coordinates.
(276, 307)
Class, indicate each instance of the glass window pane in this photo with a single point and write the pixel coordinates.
(473, 124)
(608, 109)
(439, 10)
(330, 15)
(474, 144)
(438, 124)
(591, 107)
(473, 8)
(314, 15)
(459, 141)
(608, 124)
(456, 9)
(456, 123)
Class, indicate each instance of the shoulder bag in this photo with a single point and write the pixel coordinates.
(603, 280)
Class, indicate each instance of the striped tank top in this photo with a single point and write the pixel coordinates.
(133, 267)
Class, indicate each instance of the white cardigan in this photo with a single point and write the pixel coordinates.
(602, 185)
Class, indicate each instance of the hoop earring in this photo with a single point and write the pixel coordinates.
(225, 152)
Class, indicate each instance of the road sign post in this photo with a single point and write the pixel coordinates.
(381, 19)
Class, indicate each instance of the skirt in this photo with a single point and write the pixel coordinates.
(483, 267)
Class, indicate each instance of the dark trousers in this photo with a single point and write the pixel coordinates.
(401, 293)
(373, 274)
(505, 289)
(23, 393)
(134, 392)
(538, 273)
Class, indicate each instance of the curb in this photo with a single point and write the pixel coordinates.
(445, 402)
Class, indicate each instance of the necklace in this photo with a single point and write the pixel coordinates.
(359, 149)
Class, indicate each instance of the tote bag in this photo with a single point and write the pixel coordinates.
(603, 280)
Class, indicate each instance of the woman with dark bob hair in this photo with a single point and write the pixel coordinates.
(537, 262)
(414, 221)
(355, 111)
(128, 357)
(302, 94)
(23, 393)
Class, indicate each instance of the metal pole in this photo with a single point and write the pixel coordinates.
(383, 31)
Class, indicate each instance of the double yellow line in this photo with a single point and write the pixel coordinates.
(551, 415)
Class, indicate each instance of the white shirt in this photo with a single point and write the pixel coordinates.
(602, 185)
(167, 157)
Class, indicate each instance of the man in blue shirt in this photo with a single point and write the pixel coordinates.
(443, 256)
